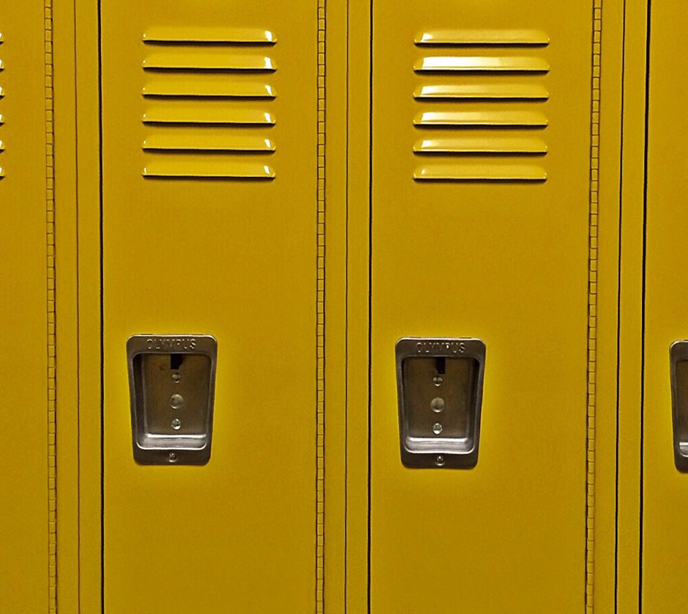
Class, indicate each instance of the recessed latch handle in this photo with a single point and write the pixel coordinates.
(440, 384)
(678, 358)
(172, 384)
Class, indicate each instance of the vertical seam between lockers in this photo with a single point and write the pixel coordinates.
(592, 305)
(622, 115)
(78, 324)
(320, 317)
(643, 372)
(369, 354)
(346, 329)
(51, 324)
(101, 305)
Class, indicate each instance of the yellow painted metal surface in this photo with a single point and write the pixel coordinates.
(27, 470)
(235, 259)
(664, 490)
(461, 196)
(69, 482)
(81, 186)
(511, 263)
(630, 369)
(603, 585)
(358, 315)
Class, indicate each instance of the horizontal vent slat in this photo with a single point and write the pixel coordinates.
(501, 91)
(2, 38)
(207, 170)
(2, 119)
(208, 61)
(480, 146)
(2, 173)
(472, 64)
(205, 115)
(2, 146)
(479, 172)
(246, 36)
(213, 143)
(482, 37)
(2, 66)
(206, 89)
(515, 119)
(2, 92)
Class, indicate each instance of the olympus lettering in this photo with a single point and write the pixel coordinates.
(171, 344)
(440, 347)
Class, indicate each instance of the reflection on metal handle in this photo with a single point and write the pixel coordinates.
(679, 401)
(440, 383)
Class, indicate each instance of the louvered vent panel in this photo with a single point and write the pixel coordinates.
(2, 118)
(481, 101)
(208, 103)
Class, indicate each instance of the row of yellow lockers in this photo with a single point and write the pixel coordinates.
(273, 195)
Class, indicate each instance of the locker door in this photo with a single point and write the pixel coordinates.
(210, 226)
(27, 310)
(484, 206)
(664, 495)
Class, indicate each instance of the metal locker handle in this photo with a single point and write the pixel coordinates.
(172, 384)
(440, 383)
(678, 355)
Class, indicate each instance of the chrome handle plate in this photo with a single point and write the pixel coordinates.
(171, 384)
(439, 384)
(678, 354)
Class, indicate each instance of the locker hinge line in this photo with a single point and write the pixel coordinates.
(592, 306)
(320, 323)
(50, 265)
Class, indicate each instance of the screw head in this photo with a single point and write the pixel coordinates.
(439, 461)
(437, 404)
(437, 428)
(176, 424)
(437, 380)
(176, 401)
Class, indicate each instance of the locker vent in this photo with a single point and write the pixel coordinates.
(481, 97)
(2, 118)
(208, 103)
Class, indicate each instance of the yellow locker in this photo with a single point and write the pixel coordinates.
(27, 311)
(211, 226)
(664, 489)
(485, 125)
